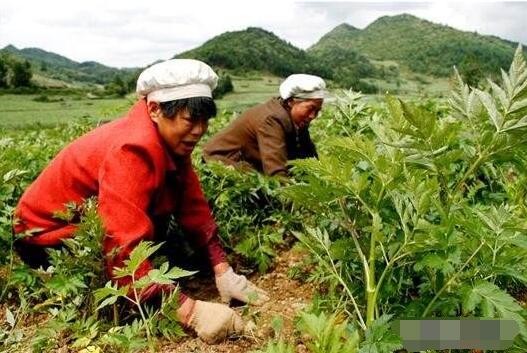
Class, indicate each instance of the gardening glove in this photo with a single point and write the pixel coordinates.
(213, 322)
(233, 286)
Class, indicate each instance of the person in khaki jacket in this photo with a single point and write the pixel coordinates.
(266, 136)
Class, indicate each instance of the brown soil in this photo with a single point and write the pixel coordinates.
(288, 296)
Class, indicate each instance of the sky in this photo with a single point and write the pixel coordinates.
(136, 33)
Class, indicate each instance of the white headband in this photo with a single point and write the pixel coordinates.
(180, 92)
(318, 94)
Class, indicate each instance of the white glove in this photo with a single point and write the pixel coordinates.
(233, 286)
(213, 322)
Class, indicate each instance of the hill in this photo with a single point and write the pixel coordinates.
(391, 53)
(348, 65)
(338, 37)
(255, 49)
(420, 45)
(57, 67)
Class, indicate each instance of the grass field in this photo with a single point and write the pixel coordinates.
(248, 92)
(22, 110)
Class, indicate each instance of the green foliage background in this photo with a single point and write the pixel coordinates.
(413, 209)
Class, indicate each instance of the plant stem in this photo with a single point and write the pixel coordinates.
(386, 270)
(339, 278)
(469, 171)
(494, 252)
(370, 284)
(355, 237)
(115, 315)
(343, 283)
(385, 257)
(368, 265)
(427, 309)
(141, 312)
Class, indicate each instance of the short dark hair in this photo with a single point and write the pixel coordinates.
(198, 107)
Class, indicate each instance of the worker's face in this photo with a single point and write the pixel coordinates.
(304, 111)
(180, 133)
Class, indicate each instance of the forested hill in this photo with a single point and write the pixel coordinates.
(420, 45)
(59, 67)
(386, 50)
(255, 49)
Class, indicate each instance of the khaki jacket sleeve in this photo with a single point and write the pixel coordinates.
(272, 145)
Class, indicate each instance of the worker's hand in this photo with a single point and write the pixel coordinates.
(213, 322)
(233, 286)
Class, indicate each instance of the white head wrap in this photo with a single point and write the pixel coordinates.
(303, 86)
(176, 79)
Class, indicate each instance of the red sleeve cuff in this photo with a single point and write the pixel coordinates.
(215, 251)
(182, 298)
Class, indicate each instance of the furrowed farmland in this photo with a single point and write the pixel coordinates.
(415, 208)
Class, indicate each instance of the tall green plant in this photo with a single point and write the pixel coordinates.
(416, 213)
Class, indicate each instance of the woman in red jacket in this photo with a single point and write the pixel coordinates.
(139, 168)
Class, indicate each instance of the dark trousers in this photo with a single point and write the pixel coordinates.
(178, 250)
(33, 255)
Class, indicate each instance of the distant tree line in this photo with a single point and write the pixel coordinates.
(255, 49)
(243, 59)
(474, 60)
(120, 85)
(432, 49)
(14, 73)
(346, 71)
(17, 73)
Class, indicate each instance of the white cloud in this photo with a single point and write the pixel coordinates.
(136, 33)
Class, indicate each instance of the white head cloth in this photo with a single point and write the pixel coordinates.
(176, 79)
(303, 86)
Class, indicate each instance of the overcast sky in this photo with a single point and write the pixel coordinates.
(137, 33)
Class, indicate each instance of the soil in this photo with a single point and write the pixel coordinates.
(288, 297)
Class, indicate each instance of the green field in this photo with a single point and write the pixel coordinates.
(18, 110)
(413, 209)
(22, 110)
(248, 92)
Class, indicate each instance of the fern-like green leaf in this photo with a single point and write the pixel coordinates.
(109, 294)
(139, 254)
(494, 115)
(493, 302)
(380, 338)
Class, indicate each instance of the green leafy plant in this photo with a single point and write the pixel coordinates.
(416, 210)
(379, 337)
(66, 296)
(161, 276)
(328, 333)
(279, 346)
(253, 220)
